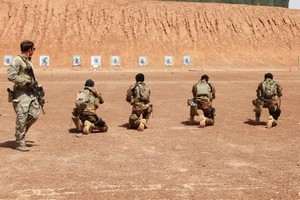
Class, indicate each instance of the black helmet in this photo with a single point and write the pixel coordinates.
(204, 77)
(140, 77)
(89, 83)
(268, 75)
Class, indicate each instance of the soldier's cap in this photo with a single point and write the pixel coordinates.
(204, 77)
(89, 83)
(140, 77)
(268, 75)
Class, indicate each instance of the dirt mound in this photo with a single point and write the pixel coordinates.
(212, 34)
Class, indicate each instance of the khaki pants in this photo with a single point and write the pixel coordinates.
(204, 104)
(271, 104)
(97, 121)
(139, 111)
(27, 111)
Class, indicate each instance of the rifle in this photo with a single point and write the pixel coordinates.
(37, 89)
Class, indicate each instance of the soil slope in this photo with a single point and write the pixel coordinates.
(218, 35)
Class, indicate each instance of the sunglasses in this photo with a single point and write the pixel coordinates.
(33, 49)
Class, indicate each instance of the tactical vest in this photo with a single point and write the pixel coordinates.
(142, 92)
(91, 104)
(23, 65)
(87, 102)
(269, 89)
(204, 89)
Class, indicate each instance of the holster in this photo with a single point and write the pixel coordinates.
(191, 102)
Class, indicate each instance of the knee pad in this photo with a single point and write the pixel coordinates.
(210, 114)
(99, 123)
(133, 117)
(104, 128)
(257, 110)
(276, 113)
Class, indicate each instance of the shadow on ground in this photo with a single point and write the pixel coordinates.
(126, 125)
(253, 123)
(12, 144)
(74, 130)
(188, 123)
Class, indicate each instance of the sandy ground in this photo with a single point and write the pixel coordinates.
(234, 159)
(234, 44)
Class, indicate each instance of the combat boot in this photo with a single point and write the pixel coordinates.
(202, 121)
(22, 147)
(192, 120)
(142, 125)
(209, 122)
(103, 129)
(257, 120)
(88, 127)
(271, 122)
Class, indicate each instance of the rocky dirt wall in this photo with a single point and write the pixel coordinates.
(212, 34)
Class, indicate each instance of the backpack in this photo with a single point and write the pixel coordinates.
(82, 100)
(269, 89)
(204, 89)
(142, 92)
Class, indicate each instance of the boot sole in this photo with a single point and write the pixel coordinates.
(141, 127)
(202, 122)
(22, 150)
(270, 123)
(86, 131)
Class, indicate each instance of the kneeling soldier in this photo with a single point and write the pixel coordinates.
(84, 114)
(203, 94)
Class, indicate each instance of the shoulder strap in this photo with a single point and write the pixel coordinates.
(134, 87)
(211, 90)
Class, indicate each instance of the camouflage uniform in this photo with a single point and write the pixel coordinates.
(272, 103)
(88, 115)
(25, 103)
(141, 110)
(203, 103)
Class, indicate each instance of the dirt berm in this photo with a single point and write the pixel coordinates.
(218, 35)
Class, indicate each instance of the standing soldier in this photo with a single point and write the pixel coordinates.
(138, 95)
(203, 93)
(268, 95)
(87, 102)
(26, 95)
